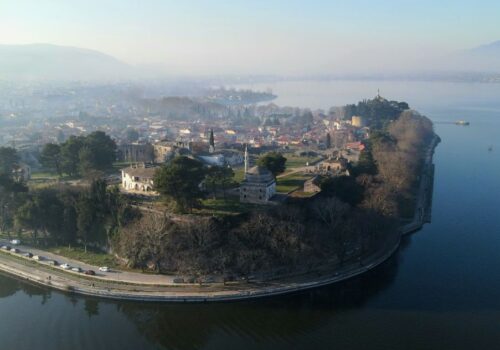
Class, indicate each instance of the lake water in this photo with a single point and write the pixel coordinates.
(440, 291)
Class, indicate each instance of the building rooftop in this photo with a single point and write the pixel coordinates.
(259, 174)
(141, 171)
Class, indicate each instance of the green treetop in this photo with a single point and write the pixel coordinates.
(274, 161)
(180, 180)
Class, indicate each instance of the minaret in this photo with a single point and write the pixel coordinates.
(246, 159)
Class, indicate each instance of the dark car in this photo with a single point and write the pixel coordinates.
(90, 272)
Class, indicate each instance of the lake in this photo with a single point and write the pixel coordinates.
(441, 290)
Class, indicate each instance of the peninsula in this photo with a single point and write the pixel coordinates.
(231, 222)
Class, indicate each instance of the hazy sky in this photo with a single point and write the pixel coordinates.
(256, 36)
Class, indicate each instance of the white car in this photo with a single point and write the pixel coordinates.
(104, 269)
(66, 266)
(37, 257)
(14, 250)
(15, 242)
(76, 269)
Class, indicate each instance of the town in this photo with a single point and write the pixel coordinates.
(196, 191)
(151, 132)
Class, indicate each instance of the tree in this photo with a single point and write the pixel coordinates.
(11, 196)
(69, 215)
(307, 118)
(211, 141)
(28, 216)
(144, 241)
(86, 161)
(86, 155)
(85, 218)
(180, 180)
(132, 135)
(92, 212)
(60, 136)
(344, 188)
(328, 141)
(273, 161)
(8, 160)
(219, 178)
(41, 212)
(366, 163)
(51, 158)
(103, 149)
(70, 154)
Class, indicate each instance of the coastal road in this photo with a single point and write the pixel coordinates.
(113, 275)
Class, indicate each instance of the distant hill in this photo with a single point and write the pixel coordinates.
(53, 62)
(485, 58)
(493, 48)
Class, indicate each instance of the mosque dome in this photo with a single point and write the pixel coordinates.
(259, 174)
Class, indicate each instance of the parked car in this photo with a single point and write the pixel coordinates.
(178, 280)
(15, 242)
(14, 250)
(28, 255)
(209, 279)
(104, 269)
(37, 257)
(66, 266)
(90, 272)
(76, 269)
(53, 262)
(5, 247)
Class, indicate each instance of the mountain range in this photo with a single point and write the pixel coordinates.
(485, 58)
(54, 62)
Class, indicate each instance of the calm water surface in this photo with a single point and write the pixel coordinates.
(440, 291)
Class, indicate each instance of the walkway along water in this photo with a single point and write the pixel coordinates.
(128, 290)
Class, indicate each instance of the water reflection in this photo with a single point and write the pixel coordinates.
(10, 286)
(282, 318)
(192, 326)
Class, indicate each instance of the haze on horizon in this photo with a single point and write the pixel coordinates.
(259, 37)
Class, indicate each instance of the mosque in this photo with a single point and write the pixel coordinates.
(258, 186)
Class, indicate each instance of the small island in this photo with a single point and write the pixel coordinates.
(314, 198)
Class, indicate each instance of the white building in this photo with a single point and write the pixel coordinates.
(138, 179)
(224, 157)
(259, 185)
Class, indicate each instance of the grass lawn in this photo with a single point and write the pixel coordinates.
(302, 194)
(42, 179)
(239, 174)
(291, 182)
(221, 207)
(296, 162)
(42, 175)
(92, 257)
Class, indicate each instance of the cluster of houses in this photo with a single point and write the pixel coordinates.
(259, 185)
